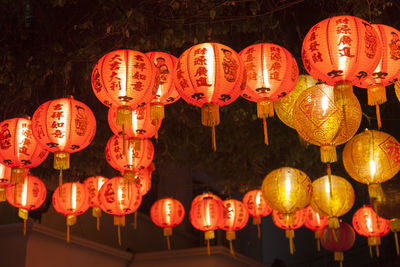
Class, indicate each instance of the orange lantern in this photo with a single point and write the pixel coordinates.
(167, 213)
(236, 217)
(341, 51)
(143, 180)
(289, 224)
(388, 69)
(5, 180)
(19, 149)
(63, 126)
(207, 215)
(125, 80)
(93, 185)
(73, 200)
(256, 207)
(316, 223)
(119, 197)
(209, 75)
(27, 196)
(272, 73)
(367, 223)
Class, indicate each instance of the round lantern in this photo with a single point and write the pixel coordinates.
(138, 155)
(143, 180)
(73, 200)
(332, 197)
(119, 197)
(19, 149)
(27, 196)
(285, 105)
(5, 180)
(209, 75)
(388, 69)
(367, 223)
(257, 207)
(93, 185)
(63, 126)
(167, 213)
(316, 223)
(125, 80)
(289, 225)
(341, 51)
(236, 217)
(338, 240)
(205, 195)
(372, 157)
(207, 215)
(272, 73)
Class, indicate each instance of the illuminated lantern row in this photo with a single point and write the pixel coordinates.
(338, 240)
(93, 185)
(256, 207)
(209, 75)
(167, 213)
(73, 200)
(235, 218)
(367, 223)
(271, 73)
(5, 181)
(372, 157)
(316, 223)
(63, 126)
(19, 149)
(27, 196)
(119, 197)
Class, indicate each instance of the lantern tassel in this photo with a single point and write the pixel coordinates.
(60, 182)
(24, 227)
(214, 143)
(68, 233)
(210, 118)
(290, 235)
(370, 252)
(231, 248)
(98, 224)
(378, 116)
(119, 220)
(265, 131)
(258, 232)
(23, 214)
(208, 247)
(329, 171)
(156, 134)
(377, 251)
(396, 241)
(340, 263)
(318, 245)
(119, 236)
(168, 243)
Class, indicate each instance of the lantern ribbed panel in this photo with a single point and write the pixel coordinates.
(137, 155)
(29, 196)
(284, 106)
(143, 180)
(313, 220)
(207, 214)
(271, 72)
(18, 147)
(367, 223)
(372, 146)
(93, 185)
(341, 48)
(124, 78)
(255, 204)
(236, 215)
(142, 126)
(74, 199)
(209, 73)
(282, 222)
(287, 189)
(119, 197)
(205, 195)
(333, 203)
(167, 212)
(64, 124)
(342, 240)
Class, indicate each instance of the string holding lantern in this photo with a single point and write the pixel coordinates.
(315, 222)
(63, 126)
(367, 223)
(19, 150)
(256, 207)
(271, 73)
(236, 217)
(5, 181)
(71, 200)
(167, 213)
(119, 197)
(29, 195)
(209, 75)
(93, 185)
(287, 190)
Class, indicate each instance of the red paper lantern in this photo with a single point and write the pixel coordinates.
(93, 185)
(207, 215)
(367, 223)
(63, 126)
(19, 149)
(272, 73)
(119, 197)
(209, 75)
(138, 155)
(167, 213)
(316, 223)
(27, 196)
(73, 200)
(338, 240)
(205, 195)
(143, 180)
(5, 181)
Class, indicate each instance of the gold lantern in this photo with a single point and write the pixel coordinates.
(372, 157)
(332, 198)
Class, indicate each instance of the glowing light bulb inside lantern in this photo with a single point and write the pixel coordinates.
(343, 60)
(207, 217)
(324, 104)
(122, 74)
(120, 199)
(265, 74)
(288, 188)
(158, 95)
(372, 168)
(210, 62)
(24, 193)
(73, 196)
(369, 223)
(134, 121)
(318, 219)
(327, 188)
(258, 199)
(168, 211)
